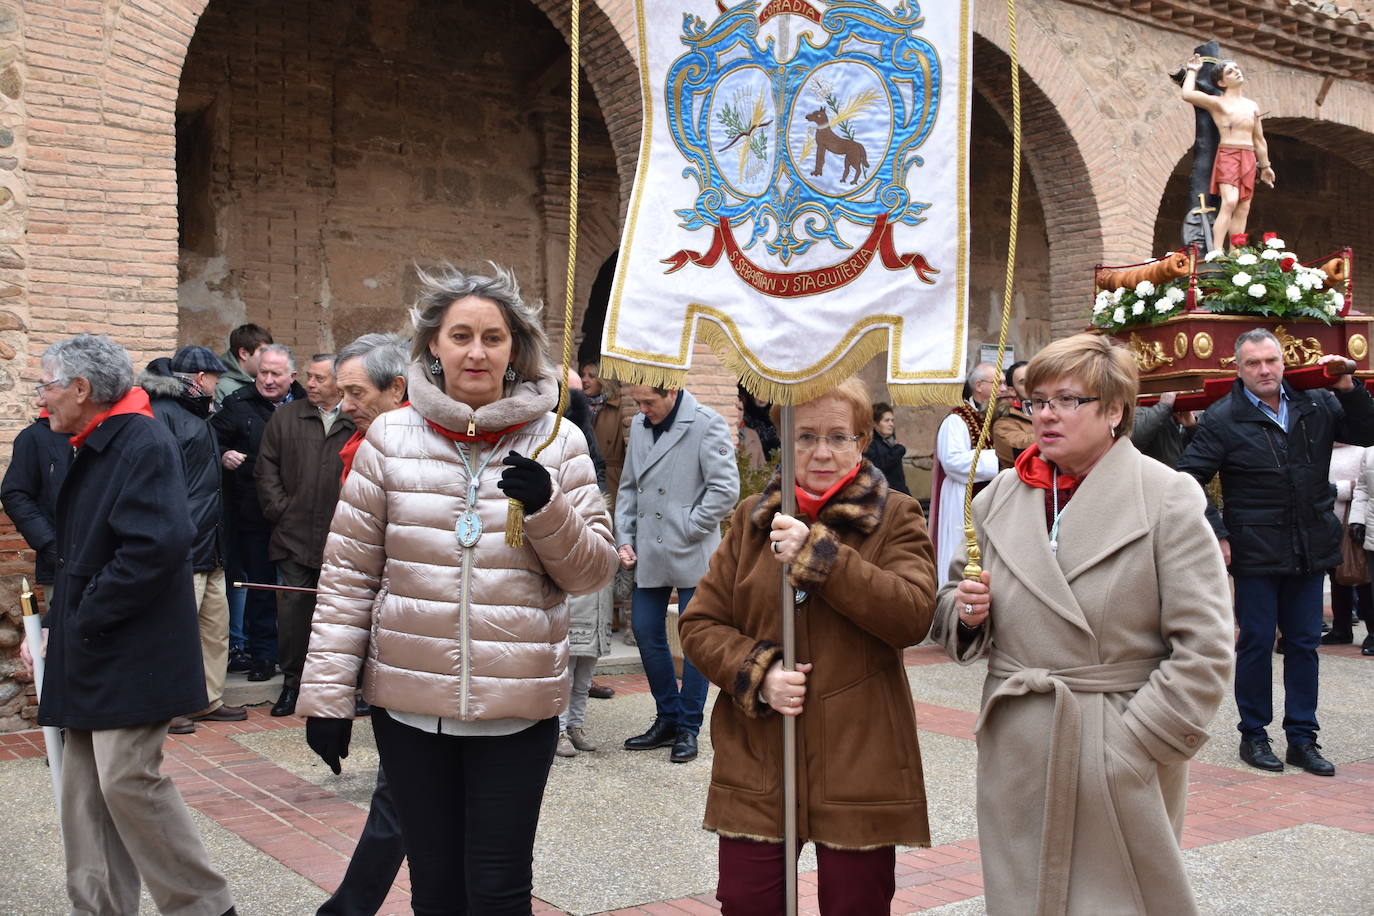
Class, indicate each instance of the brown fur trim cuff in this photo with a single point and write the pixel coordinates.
(817, 558)
(749, 678)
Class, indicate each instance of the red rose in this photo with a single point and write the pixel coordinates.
(1286, 264)
(1239, 239)
(1270, 235)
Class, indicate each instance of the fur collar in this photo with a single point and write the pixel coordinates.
(161, 386)
(527, 401)
(859, 506)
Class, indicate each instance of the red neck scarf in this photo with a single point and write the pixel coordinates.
(811, 506)
(350, 448)
(1037, 472)
(136, 401)
(491, 438)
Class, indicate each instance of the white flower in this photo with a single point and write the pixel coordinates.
(1119, 316)
(1271, 254)
(1275, 244)
(1247, 259)
(1241, 278)
(1100, 304)
(1176, 295)
(1293, 293)
(1138, 308)
(1337, 300)
(1213, 255)
(1144, 288)
(1117, 294)
(1165, 304)
(1257, 290)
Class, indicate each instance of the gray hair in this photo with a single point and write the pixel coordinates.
(97, 359)
(283, 349)
(1256, 335)
(444, 285)
(383, 357)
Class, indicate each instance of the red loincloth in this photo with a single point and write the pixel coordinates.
(1235, 165)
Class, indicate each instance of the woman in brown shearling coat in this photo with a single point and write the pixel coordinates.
(865, 564)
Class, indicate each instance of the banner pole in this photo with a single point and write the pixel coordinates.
(788, 472)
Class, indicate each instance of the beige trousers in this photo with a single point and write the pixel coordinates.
(213, 602)
(122, 819)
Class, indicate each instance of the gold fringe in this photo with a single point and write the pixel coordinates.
(515, 523)
(869, 345)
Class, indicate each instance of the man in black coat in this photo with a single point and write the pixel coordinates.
(239, 426)
(1278, 534)
(181, 390)
(122, 649)
(29, 492)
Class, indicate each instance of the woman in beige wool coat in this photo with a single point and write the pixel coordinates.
(1104, 615)
(459, 639)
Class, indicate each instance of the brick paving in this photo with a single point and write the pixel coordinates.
(312, 831)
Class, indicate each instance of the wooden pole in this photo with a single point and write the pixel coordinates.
(788, 471)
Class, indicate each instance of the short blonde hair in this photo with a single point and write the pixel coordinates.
(1104, 368)
(851, 392)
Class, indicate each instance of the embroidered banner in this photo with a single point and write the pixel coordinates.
(801, 199)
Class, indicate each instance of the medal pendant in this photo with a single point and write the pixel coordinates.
(469, 529)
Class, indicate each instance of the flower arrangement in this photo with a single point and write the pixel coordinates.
(1262, 279)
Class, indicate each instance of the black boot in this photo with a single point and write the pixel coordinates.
(1258, 753)
(1308, 755)
(661, 734)
(286, 703)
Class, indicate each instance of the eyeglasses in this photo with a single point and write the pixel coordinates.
(44, 386)
(807, 442)
(1062, 403)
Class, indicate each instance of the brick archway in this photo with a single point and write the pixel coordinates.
(1066, 185)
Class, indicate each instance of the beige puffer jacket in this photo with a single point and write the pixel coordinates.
(433, 627)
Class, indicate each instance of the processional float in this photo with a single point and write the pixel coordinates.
(800, 206)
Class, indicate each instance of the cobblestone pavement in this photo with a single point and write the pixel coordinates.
(621, 831)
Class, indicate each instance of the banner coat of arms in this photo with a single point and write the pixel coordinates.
(801, 199)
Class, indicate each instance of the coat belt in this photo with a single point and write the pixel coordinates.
(1066, 739)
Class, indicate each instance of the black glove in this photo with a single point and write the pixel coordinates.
(50, 555)
(1357, 533)
(329, 738)
(526, 480)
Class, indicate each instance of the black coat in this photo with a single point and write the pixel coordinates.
(124, 642)
(199, 460)
(1275, 495)
(888, 459)
(29, 492)
(239, 425)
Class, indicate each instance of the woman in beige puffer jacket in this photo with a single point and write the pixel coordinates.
(459, 640)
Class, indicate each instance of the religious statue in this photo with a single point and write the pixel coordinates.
(1240, 148)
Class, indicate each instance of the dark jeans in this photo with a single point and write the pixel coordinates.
(850, 882)
(1349, 602)
(294, 611)
(376, 860)
(649, 617)
(260, 605)
(468, 808)
(1293, 604)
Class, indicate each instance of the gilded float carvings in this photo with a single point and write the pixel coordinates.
(1358, 346)
(1202, 344)
(1149, 354)
(1180, 345)
(1296, 351)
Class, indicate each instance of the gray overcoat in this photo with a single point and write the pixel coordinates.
(1106, 662)
(674, 493)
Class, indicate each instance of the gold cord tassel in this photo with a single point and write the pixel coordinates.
(515, 523)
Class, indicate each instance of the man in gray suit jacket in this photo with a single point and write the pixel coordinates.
(679, 481)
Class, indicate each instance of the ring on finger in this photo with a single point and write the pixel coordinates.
(968, 610)
(777, 548)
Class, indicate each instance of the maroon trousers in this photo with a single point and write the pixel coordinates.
(851, 883)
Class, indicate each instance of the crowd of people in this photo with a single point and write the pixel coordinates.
(431, 545)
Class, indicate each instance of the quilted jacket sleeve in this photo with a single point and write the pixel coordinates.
(572, 533)
(350, 584)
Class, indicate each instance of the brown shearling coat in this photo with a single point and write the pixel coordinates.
(869, 570)
(1128, 629)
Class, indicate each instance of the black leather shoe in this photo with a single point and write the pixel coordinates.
(661, 734)
(684, 748)
(1336, 638)
(1367, 650)
(239, 662)
(1258, 753)
(286, 703)
(262, 671)
(1309, 757)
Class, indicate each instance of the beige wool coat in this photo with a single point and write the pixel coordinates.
(432, 627)
(1105, 665)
